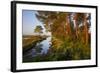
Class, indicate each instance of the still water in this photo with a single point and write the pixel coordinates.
(40, 48)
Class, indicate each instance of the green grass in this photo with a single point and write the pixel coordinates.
(63, 50)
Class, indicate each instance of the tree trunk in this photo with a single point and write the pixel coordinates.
(76, 25)
(68, 28)
(86, 30)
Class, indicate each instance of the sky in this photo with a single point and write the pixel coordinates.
(30, 21)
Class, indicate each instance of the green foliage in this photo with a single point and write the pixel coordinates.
(73, 50)
(67, 50)
(38, 29)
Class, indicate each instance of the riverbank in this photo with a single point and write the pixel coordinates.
(55, 49)
(31, 41)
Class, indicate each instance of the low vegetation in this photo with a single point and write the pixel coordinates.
(30, 41)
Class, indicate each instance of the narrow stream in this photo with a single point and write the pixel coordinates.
(40, 48)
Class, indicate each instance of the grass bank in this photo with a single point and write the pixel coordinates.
(31, 41)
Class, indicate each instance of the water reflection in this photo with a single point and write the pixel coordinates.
(40, 48)
(46, 45)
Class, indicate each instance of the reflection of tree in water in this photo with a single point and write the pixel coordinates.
(38, 48)
(34, 52)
